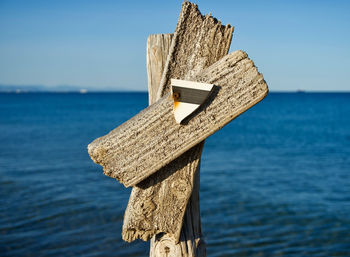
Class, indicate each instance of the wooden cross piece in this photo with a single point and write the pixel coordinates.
(159, 157)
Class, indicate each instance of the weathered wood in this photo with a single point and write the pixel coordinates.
(158, 203)
(191, 241)
(168, 215)
(152, 139)
(143, 220)
(153, 203)
(198, 41)
(173, 182)
(158, 47)
(166, 244)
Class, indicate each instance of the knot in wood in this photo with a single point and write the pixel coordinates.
(167, 247)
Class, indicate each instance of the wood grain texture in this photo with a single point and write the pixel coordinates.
(198, 42)
(152, 139)
(188, 56)
(191, 241)
(158, 47)
(157, 205)
(168, 217)
(201, 39)
(142, 219)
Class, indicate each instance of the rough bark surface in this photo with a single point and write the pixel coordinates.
(158, 47)
(168, 218)
(152, 139)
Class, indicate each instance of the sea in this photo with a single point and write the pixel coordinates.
(274, 182)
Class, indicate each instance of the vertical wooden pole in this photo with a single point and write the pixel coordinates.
(158, 47)
(190, 243)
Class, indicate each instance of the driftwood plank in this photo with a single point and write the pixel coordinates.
(152, 138)
(168, 215)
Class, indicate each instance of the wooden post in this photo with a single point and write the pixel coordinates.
(158, 47)
(191, 242)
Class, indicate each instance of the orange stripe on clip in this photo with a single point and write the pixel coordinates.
(176, 104)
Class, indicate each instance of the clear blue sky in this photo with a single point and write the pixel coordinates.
(102, 44)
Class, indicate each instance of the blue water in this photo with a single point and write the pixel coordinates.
(274, 182)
